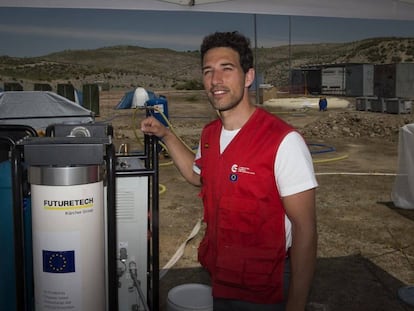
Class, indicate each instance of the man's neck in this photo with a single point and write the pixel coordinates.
(235, 119)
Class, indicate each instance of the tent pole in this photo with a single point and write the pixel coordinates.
(290, 54)
(255, 60)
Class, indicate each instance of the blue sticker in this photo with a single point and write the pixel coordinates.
(58, 262)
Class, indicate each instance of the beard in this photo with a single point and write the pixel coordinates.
(225, 103)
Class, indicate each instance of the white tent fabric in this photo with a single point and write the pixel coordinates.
(140, 98)
(40, 109)
(375, 9)
(402, 193)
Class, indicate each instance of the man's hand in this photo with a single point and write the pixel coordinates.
(151, 126)
(182, 156)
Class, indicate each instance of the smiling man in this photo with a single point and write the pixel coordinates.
(257, 185)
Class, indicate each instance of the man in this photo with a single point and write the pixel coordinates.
(323, 104)
(257, 185)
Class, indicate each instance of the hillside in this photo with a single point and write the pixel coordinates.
(125, 67)
(119, 66)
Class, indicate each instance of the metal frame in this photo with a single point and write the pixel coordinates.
(150, 159)
(11, 134)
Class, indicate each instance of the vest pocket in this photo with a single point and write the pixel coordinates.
(238, 223)
(239, 215)
(257, 271)
(247, 256)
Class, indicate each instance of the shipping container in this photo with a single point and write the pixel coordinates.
(306, 81)
(394, 80)
(90, 97)
(67, 91)
(334, 80)
(359, 80)
(12, 86)
(42, 87)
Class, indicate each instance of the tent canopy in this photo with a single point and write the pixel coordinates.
(402, 194)
(40, 109)
(375, 9)
(135, 98)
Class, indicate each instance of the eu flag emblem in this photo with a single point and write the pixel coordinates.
(58, 261)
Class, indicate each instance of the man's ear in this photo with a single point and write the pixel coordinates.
(249, 78)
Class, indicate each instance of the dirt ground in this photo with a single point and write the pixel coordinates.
(366, 244)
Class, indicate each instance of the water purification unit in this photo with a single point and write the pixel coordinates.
(94, 222)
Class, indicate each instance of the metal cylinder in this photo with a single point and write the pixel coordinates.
(64, 176)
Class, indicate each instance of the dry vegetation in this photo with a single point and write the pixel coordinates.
(126, 67)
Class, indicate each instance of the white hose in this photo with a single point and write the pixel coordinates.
(358, 174)
(180, 250)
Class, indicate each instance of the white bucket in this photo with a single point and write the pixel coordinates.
(190, 297)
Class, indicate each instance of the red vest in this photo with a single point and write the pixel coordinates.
(244, 247)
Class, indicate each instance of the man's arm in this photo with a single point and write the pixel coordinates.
(300, 209)
(182, 156)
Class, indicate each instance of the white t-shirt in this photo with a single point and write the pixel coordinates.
(293, 168)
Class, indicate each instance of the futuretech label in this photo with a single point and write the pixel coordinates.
(68, 204)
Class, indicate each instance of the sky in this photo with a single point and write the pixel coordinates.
(29, 32)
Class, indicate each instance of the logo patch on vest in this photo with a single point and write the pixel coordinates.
(235, 168)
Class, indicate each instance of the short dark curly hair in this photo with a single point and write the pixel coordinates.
(233, 40)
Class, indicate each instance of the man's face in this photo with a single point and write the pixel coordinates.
(223, 78)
